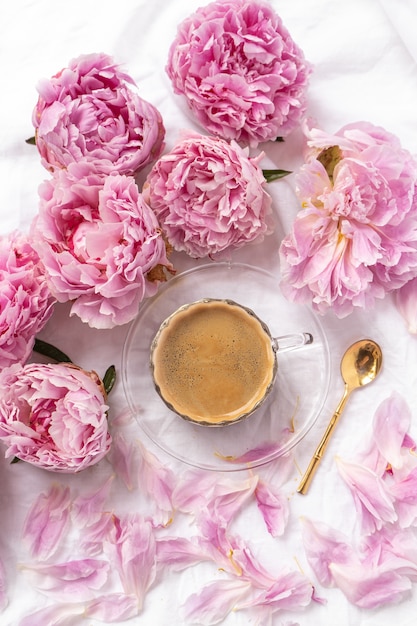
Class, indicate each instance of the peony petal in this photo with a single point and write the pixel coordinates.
(47, 521)
(57, 614)
(87, 510)
(215, 601)
(3, 589)
(373, 501)
(124, 459)
(390, 425)
(290, 592)
(133, 552)
(179, 553)
(158, 481)
(325, 546)
(273, 506)
(370, 589)
(63, 581)
(113, 607)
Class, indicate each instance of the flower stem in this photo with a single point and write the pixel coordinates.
(109, 378)
(271, 175)
(42, 347)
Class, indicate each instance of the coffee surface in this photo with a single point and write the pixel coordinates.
(213, 361)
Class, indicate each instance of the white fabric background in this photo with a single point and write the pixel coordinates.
(364, 54)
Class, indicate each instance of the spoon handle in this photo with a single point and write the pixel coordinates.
(314, 463)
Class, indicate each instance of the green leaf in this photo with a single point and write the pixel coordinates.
(271, 175)
(42, 347)
(14, 460)
(109, 378)
(279, 139)
(31, 141)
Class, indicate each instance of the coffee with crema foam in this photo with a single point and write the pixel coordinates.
(213, 361)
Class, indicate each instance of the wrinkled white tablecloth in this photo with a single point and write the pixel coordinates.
(364, 54)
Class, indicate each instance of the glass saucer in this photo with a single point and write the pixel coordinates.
(291, 408)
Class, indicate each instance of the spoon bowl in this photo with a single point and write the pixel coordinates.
(360, 365)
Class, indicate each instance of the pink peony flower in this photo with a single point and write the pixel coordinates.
(91, 110)
(242, 75)
(100, 243)
(53, 416)
(26, 303)
(208, 196)
(355, 238)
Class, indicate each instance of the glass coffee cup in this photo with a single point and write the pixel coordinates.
(214, 361)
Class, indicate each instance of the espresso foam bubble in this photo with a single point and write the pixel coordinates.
(213, 361)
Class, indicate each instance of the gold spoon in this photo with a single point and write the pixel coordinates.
(360, 365)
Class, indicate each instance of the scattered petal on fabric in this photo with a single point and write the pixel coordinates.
(47, 521)
(229, 496)
(75, 579)
(274, 507)
(179, 553)
(95, 535)
(3, 588)
(374, 503)
(87, 510)
(215, 601)
(370, 589)
(56, 615)
(193, 490)
(290, 592)
(124, 459)
(391, 422)
(133, 552)
(324, 546)
(405, 495)
(158, 481)
(113, 607)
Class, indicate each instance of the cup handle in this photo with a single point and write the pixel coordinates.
(290, 342)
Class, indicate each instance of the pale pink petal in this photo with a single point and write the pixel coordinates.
(274, 507)
(56, 615)
(133, 553)
(405, 494)
(250, 568)
(113, 607)
(75, 579)
(192, 490)
(325, 546)
(290, 592)
(372, 499)
(3, 589)
(87, 510)
(370, 588)
(94, 535)
(390, 425)
(179, 553)
(158, 481)
(124, 459)
(47, 521)
(215, 601)
(229, 496)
